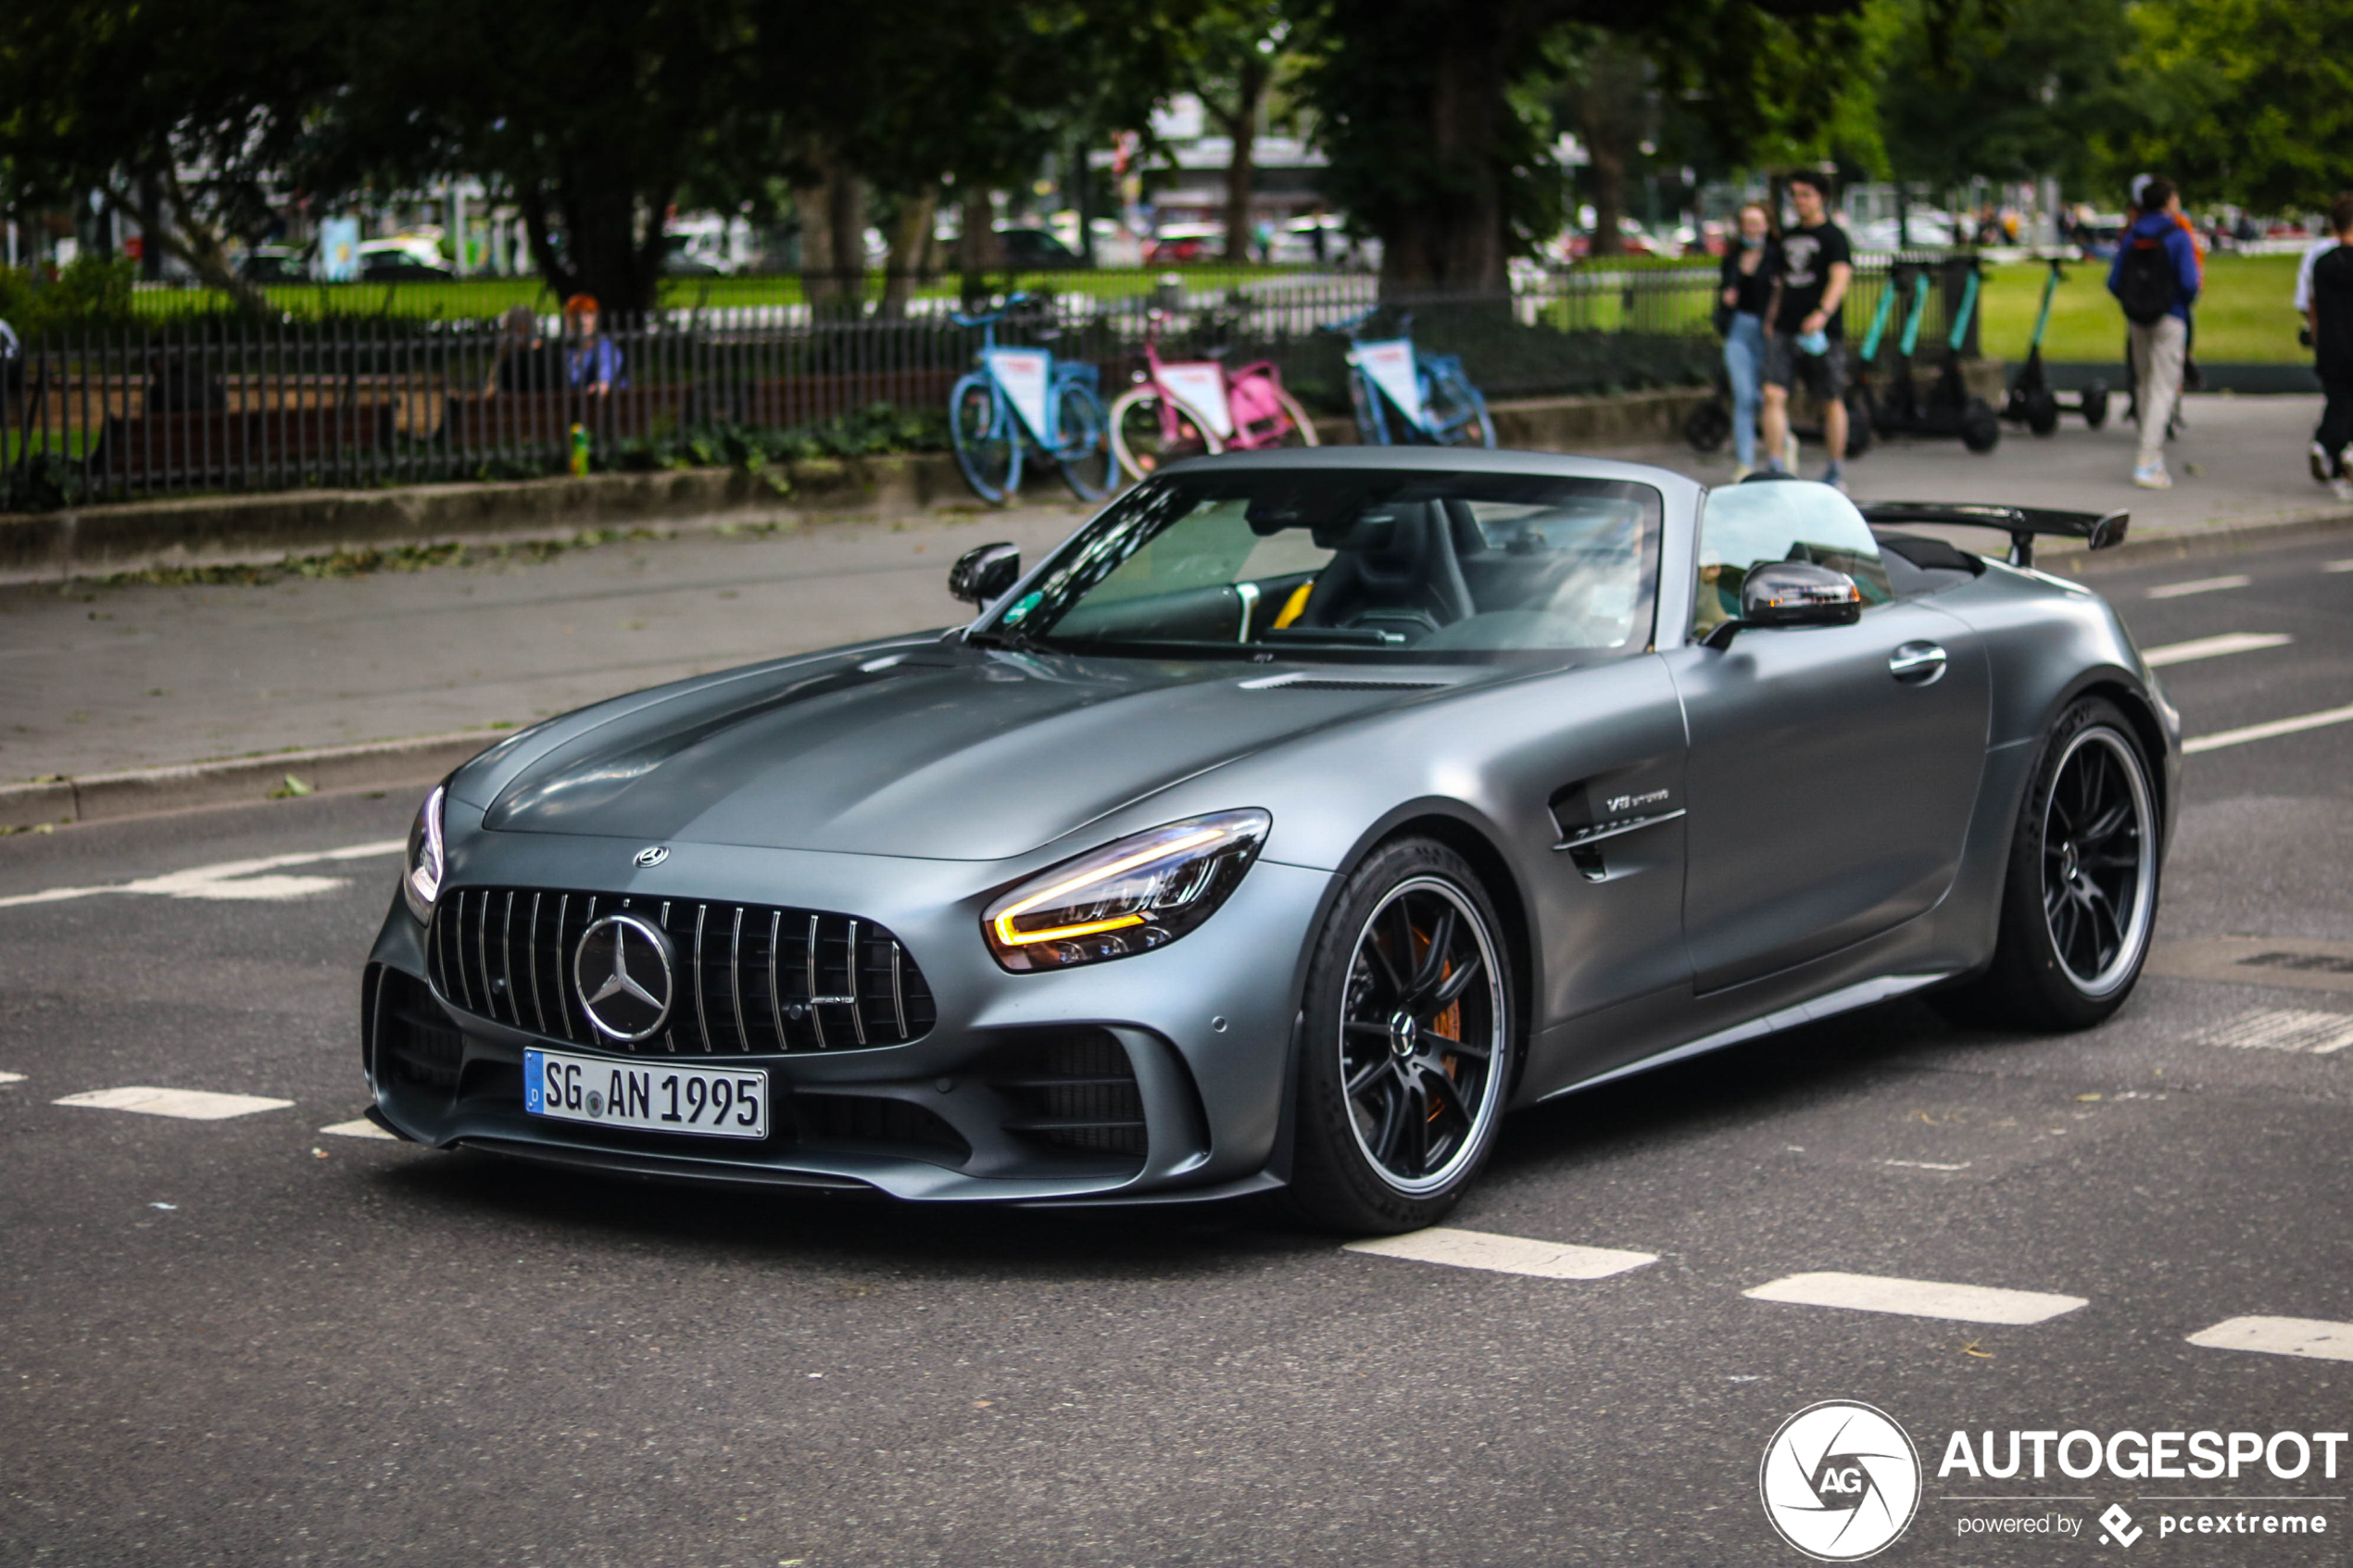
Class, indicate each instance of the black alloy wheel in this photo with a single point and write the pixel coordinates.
(2081, 897)
(1408, 1047)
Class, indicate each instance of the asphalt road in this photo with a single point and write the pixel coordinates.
(245, 1340)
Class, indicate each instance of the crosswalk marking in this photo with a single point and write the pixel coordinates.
(2285, 1029)
(2266, 732)
(2315, 1337)
(1504, 1254)
(2213, 647)
(231, 879)
(2198, 586)
(1916, 1297)
(193, 1105)
(360, 1128)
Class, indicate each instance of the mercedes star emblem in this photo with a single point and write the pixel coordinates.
(651, 855)
(622, 972)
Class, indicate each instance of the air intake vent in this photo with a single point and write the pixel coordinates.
(1075, 1089)
(751, 978)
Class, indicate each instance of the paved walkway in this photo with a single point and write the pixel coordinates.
(102, 678)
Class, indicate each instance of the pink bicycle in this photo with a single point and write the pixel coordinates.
(1189, 407)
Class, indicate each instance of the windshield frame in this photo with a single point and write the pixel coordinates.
(999, 625)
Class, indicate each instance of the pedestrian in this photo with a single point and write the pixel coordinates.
(523, 363)
(2301, 303)
(2155, 278)
(1805, 340)
(1750, 264)
(2329, 312)
(593, 364)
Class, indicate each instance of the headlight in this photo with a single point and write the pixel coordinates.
(1129, 897)
(420, 873)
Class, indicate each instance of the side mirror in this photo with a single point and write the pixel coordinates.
(1793, 593)
(983, 573)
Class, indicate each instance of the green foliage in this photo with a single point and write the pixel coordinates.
(874, 430)
(2008, 89)
(92, 293)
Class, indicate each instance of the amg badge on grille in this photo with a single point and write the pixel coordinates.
(624, 976)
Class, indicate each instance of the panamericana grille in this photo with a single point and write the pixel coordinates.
(751, 977)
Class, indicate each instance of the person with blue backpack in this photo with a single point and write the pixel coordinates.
(2155, 278)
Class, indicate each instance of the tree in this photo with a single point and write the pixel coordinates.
(1236, 50)
(2249, 101)
(186, 111)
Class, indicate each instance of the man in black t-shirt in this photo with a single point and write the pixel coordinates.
(2330, 315)
(1806, 336)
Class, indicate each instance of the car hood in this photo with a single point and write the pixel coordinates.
(947, 753)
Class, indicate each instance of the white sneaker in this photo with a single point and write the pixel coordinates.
(2322, 468)
(2152, 476)
(1789, 453)
(2342, 489)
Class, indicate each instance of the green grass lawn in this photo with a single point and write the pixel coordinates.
(2243, 317)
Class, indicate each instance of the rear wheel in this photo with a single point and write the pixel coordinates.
(1298, 427)
(1457, 413)
(1372, 418)
(2041, 413)
(1144, 444)
(988, 446)
(1085, 456)
(2080, 895)
(2095, 404)
(1407, 1054)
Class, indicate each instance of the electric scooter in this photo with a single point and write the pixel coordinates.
(2031, 402)
(1948, 409)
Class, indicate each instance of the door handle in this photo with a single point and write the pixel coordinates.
(1917, 664)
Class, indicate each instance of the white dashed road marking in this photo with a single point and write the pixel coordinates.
(2285, 1029)
(2266, 732)
(231, 879)
(2338, 566)
(1916, 1297)
(193, 1105)
(2198, 586)
(1504, 1254)
(2281, 1337)
(361, 1128)
(11, 1078)
(2214, 648)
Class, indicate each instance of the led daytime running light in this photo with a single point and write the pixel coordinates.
(1129, 897)
(421, 878)
(1012, 938)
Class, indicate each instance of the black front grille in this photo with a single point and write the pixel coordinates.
(871, 1122)
(1075, 1089)
(749, 977)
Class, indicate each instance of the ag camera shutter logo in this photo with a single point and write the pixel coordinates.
(1840, 1481)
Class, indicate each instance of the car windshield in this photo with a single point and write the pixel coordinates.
(1353, 564)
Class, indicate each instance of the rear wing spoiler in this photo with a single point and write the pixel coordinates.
(2097, 530)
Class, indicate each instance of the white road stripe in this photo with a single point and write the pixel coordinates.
(192, 1105)
(363, 1128)
(1504, 1254)
(2198, 586)
(2315, 1337)
(2214, 648)
(11, 1078)
(2265, 732)
(2338, 566)
(1916, 1297)
(230, 879)
(1928, 1164)
(2285, 1029)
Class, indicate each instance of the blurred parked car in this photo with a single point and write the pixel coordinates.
(1037, 250)
(1177, 243)
(274, 264)
(404, 258)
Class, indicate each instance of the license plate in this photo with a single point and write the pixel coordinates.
(712, 1102)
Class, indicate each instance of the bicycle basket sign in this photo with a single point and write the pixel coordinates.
(1200, 386)
(1023, 373)
(1390, 364)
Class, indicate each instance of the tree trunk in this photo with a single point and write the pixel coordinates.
(195, 239)
(911, 243)
(833, 240)
(977, 247)
(1458, 242)
(1608, 170)
(612, 238)
(1250, 90)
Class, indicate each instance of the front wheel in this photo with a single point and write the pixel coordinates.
(1148, 432)
(1085, 456)
(2095, 403)
(1408, 1045)
(2080, 899)
(987, 443)
(1980, 427)
(1457, 414)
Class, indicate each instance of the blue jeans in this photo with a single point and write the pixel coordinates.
(1743, 362)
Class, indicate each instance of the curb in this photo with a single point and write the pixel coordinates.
(145, 792)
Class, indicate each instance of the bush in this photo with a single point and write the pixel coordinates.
(90, 294)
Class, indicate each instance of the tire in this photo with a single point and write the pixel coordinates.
(1299, 426)
(1364, 1163)
(1141, 445)
(986, 442)
(2041, 413)
(2079, 900)
(1981, 431)
(1372, 418)
(1458, 412)
(1708, 426)
(2095, 403)
(1085, 458)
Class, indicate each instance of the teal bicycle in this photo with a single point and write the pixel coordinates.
(1427, 395)
(1025, 397)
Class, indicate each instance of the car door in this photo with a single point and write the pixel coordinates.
(1832, 769)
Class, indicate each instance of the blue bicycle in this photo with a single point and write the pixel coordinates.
(1021, 397)
(1428, 394)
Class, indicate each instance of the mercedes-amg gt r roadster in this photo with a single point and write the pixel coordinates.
(1297, 818)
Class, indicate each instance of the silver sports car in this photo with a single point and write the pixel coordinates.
(1297, 818)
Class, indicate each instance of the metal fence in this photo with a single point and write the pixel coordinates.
(178, 409)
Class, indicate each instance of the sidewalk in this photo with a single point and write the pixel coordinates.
(103, 679)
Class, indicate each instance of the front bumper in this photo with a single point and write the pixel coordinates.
(1191, 1041)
